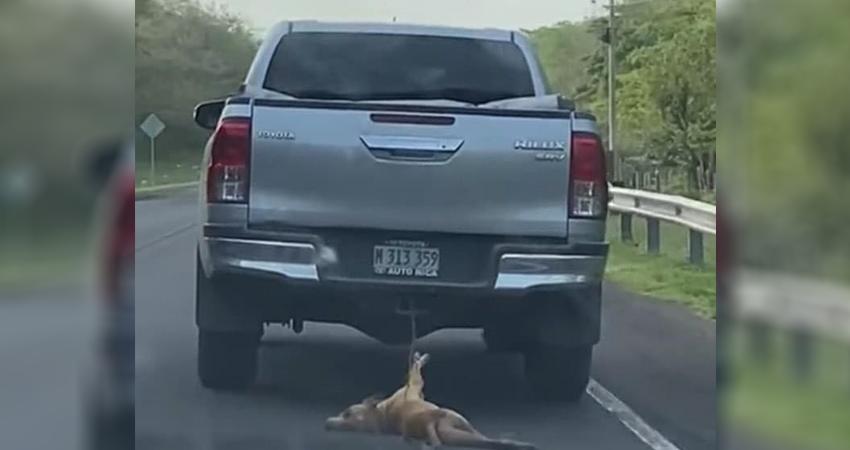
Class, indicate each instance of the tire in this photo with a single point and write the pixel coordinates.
(227, 361)
(559, 374)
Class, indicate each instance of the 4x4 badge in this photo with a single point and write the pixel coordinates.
(550, 157)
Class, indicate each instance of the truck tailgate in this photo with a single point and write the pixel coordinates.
(390, 167)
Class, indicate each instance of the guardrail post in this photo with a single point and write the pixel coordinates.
(760, 342)
(801, 345)
(653, 236)
(696, 248)
(626, 227)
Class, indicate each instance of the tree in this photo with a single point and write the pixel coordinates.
(562, 49)
(187, 53)
(666, 82)
(680, 69)
(786, 134)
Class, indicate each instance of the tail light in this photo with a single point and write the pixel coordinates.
(122, 235)
(588, 175)
(227, 172)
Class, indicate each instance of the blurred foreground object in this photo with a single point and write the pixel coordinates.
(786, 155)
(66, 82)
(113, 394)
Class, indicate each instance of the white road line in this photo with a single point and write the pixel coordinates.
(650, 436)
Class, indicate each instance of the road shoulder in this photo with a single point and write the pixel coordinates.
(660, 359)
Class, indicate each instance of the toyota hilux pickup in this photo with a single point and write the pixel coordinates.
(367, 172)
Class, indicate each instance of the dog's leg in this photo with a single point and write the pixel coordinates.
(413, 386)
(415, 382)
(455, 434)
(433, 437)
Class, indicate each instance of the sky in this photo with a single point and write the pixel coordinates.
(511, 14)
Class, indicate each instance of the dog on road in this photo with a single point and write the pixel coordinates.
(407, 414)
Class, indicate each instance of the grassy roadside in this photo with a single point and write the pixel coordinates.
(144, 193)
(42, 262)
(780, 410)
(167, 173)
(170, 177)
(668, 276)
(766, 399)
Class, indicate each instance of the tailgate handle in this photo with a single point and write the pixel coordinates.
(410, 144)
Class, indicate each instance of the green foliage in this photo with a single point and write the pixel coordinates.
(562, 49)
(767, 398)
(666, 79)
(682, 81)
(186, 53)
(788, 133)
(67, 81)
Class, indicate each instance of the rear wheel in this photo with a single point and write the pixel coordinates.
(557, 373)
(227, 361)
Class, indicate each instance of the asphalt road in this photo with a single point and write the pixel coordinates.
(655, 358)
(44, 351)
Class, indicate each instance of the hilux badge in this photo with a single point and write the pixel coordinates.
(526, 144)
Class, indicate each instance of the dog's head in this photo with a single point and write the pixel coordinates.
(361, 417)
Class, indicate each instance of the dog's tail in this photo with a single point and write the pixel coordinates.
(454, 437)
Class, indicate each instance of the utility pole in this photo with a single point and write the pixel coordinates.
(612, 116)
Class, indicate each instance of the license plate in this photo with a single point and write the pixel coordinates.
(401, 261)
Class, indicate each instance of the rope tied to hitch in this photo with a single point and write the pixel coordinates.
(413, 336)
(411, 312)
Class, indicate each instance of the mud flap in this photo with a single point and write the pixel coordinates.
(222, 308)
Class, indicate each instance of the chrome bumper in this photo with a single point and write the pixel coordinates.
(301, 262)
(527, 271)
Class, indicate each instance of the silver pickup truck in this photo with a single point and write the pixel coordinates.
(365, 172)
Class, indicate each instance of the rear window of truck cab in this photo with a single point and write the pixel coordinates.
(363, 66)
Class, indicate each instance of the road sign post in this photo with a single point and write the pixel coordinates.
(152, 127)
(152, 168)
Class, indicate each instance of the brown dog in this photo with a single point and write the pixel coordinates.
(407, 414)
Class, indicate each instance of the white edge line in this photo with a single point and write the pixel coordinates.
(650, 436)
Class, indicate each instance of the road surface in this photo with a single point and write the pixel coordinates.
(655, 372)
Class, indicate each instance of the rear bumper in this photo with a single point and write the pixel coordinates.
(531, 270)
(306, 260)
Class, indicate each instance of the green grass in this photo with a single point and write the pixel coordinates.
(26, 263)
(778, 409)
(167, 173)
(667, 276)
(171, 176)
(162, 190)
(709, 197)
(767, 400)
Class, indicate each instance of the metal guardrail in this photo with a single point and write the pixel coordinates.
(792, 322)
(806, 311)
(793, 303)
(700, 218)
